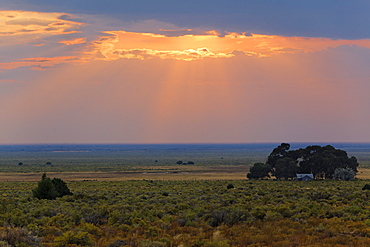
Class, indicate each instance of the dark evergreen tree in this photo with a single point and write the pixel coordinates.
(45, 189)
(61, 187)
(50, 189)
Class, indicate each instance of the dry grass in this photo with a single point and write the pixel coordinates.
(150, 173)
(121, 176)
(363, 173)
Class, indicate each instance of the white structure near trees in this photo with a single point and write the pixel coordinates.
(304, 177)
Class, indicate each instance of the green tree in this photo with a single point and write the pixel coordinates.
(323, 161)
(45, 189)
(61, 187)
(278, 153)
(259, 170)
(320, 161)
(285, 168)
(50, 189)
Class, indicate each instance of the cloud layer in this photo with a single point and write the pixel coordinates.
(30, 23)
(58, 39)
(64, 79)
(131, 45)
(339, 19)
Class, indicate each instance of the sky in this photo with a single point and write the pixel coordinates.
(171, 71)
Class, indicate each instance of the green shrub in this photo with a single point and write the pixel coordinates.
(345, 174)
(15, 236)
(61, 187)
(118, 243)
(230, 186)
(50, 189)
(79, 238)
(366, 187)
(45, 189)
(148, 243)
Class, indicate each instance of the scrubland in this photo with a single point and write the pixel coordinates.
(189, 213)
(124, 200)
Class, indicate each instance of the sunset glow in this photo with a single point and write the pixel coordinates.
(78, 77)
(30, 23)
(121, 44)
(29, 27)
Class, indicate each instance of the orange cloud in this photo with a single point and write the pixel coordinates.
(73, 41)
(36, 28)
(15, 22)
(39, 63)
(130, 45)
(186, 55)
(19, 29)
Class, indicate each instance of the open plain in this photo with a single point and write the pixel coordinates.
(142, 195)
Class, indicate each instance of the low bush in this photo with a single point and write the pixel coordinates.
(50, 188)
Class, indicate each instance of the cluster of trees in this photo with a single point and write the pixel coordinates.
(322, 162)
(51, 188)
(180, 162)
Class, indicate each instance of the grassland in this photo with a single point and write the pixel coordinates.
(188, 213)
(162, 173)
(138, 173)
(133, 162)
(130, 196)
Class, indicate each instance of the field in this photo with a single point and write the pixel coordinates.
(135, 162)
(189, 213)
(139, 196)
(159, 173)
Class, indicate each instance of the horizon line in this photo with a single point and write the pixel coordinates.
(185, 143)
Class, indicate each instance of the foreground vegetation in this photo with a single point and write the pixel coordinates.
(154, 200)
(188, 213)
